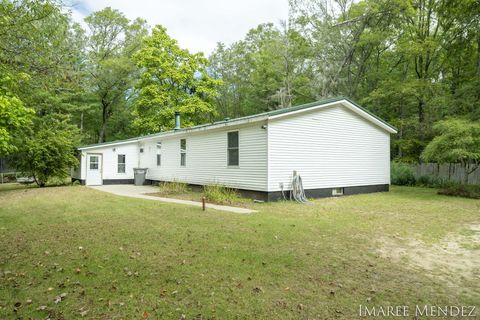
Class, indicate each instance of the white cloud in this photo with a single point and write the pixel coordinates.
(197, 24)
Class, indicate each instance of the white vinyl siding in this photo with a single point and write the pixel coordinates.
(110, 159)
(207, 159)
(331, 147)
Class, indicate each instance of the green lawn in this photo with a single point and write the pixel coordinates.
(117, 257)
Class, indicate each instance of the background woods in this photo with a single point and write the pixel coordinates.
(412, 62)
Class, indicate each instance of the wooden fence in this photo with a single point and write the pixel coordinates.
(451, 172)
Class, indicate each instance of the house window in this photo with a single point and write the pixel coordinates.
(232, 148)
(121, 163)
(159, 155)
(183, 152)
(93, 162)
(337, 191)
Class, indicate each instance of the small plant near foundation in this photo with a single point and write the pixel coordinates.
(174, 187)
(217, 193)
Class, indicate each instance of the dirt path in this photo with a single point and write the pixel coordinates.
(455, 259)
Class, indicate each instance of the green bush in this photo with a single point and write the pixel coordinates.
(426, 181)
(444, 183)
(175, 187)
(58, 181)
(402, 174)
(461, 190)
(434, 182)
(219, 194)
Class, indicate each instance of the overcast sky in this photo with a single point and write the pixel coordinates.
(197, 24)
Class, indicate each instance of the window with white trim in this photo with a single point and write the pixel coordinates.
(232, 148)
(93, 162)
(121, 163)
(183, 152)
(159, 154)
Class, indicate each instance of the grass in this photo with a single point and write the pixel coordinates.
(117, 257)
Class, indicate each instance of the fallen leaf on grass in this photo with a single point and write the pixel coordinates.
(60, 297)
(257, 290)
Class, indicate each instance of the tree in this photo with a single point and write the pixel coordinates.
(39, 55)
(411, 62)
(112, 41)
(48, 150)
(172, 79)
(266, 70)
(35, 65)
(458, 141)
(13, 115)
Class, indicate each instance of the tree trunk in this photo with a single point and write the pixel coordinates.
(478, 52)
(102, 133)
(81, 122)
(103, 129)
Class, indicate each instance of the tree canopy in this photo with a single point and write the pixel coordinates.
(457, 141)
(172, 79)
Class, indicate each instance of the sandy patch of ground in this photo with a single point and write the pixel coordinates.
(455, 259)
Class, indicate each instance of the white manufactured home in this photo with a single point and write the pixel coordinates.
(336, 146)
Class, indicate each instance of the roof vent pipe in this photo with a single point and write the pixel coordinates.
(177, 120)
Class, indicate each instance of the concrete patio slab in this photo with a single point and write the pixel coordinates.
(141, 192)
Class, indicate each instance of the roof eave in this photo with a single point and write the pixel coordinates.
(349, 104)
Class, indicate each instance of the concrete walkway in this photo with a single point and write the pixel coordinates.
(129, 190)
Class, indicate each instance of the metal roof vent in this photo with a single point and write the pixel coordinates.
(177, 120)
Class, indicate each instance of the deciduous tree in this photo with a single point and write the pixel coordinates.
(172, 79)
(112, 73)
(457, 141)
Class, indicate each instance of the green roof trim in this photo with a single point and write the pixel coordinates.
(267, 113)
